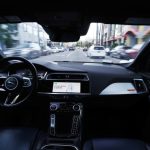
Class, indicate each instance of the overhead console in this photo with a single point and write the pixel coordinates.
(65, 83)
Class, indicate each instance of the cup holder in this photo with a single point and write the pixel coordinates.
(58, 147)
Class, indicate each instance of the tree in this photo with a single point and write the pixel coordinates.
(6, 32)
(79, 43)
(87, 44)
(114, 45)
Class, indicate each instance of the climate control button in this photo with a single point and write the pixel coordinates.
(76, 107)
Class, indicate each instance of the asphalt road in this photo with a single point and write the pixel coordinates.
(77, 55)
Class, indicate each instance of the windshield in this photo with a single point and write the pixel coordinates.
(103, 43)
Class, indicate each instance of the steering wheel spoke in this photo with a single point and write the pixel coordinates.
(11, 99)
(2, 89)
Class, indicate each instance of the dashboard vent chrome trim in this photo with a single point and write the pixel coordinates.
(119, 88)
(126, 88)
(68, 76)
(40, 77)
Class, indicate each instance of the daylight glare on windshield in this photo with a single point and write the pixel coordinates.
(110, 43)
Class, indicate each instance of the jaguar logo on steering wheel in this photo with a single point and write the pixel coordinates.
(11, 83)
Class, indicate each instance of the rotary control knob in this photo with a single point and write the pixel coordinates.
(76, 107)
(53, 107)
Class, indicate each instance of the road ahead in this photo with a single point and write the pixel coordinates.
(77, 55)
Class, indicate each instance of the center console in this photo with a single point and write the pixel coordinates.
(65, 113)
(65, 120)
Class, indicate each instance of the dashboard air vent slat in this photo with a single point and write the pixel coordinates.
(67, 76)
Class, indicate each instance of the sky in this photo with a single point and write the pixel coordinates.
(91, 33)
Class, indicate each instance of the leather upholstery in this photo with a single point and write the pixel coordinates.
(114, 144)
(17, 138)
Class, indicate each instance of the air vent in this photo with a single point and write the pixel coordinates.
(67, 76)
(41, 75)
(140, 85)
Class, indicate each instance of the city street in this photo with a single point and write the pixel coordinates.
(77, 55)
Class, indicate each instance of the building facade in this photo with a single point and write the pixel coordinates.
(124, 34)
(29, 32)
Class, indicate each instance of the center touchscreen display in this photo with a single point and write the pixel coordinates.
(66, 87)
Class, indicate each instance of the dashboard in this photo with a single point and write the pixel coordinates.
(83, 79)
(103, 97)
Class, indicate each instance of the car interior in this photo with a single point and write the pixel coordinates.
(110, 108)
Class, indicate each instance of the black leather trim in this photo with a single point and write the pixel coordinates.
(89, 145)
(41, 139)
(114, 144)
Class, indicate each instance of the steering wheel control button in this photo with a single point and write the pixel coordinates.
(11, 83)
(26, 82)
(76, 107)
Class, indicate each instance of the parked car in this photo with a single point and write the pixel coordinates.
(119, 52)
(33, 50)
(2, 50)
(133, 52)
(60, 49)
(96, 51)
(26, 50)
(85, 49)
(116, 50)
(10, 52)
(71, 48)
(46, 51)
(53, 49)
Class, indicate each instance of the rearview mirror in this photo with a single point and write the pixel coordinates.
(64, 37)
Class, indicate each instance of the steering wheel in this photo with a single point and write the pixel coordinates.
(16, 89)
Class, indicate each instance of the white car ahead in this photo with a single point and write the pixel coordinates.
(60, 49)
(96, 51)
(54, 49)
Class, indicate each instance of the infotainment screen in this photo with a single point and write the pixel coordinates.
(66, 87)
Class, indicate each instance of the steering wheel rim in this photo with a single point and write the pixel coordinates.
(34, 83)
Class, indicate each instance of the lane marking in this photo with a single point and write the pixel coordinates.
(84, 54)
(70, 54)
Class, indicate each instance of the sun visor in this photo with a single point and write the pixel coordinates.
(57, 35)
